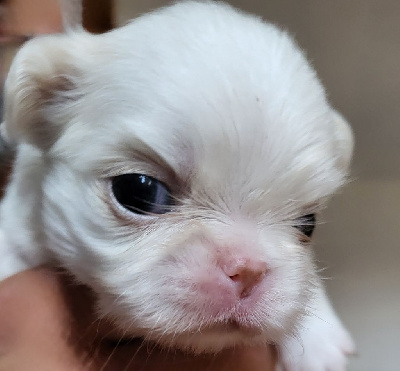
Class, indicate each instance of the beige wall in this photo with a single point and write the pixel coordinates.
(360, 245)
(355, 47)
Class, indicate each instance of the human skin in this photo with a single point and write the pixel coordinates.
(48, 322)
(32, 17)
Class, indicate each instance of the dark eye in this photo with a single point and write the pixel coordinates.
(306, 224)
(142, 194)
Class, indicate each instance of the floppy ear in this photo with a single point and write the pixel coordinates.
(344, 140)
(42, 79)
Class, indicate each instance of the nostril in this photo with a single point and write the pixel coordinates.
(246, 275)
(235, 277)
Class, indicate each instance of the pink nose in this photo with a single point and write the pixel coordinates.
(245, 273)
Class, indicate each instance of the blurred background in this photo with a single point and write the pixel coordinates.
(355, 48)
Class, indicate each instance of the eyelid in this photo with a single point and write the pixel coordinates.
(135, 168)
(148, 168)
(312, 208)
(304, 239)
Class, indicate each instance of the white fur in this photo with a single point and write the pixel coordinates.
(224, 109)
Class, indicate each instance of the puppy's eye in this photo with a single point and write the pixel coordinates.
(142, 194)
(306, 224)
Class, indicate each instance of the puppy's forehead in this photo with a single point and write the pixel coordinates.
(210, 91)
(206, 58)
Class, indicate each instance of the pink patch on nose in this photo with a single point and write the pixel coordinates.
(244, 273)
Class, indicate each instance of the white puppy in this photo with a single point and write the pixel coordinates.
(175, 165)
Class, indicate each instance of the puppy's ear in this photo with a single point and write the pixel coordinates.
(42, 79)
(344, 140)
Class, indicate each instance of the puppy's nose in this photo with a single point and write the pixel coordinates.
(245, 273)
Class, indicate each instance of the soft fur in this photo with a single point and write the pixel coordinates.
(224, 109)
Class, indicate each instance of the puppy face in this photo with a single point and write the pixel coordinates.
(184, 157)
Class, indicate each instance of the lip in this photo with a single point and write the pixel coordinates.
(247, 329)
(235, 325)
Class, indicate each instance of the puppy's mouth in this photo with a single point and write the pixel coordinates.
(124, 341)
(233, 325)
